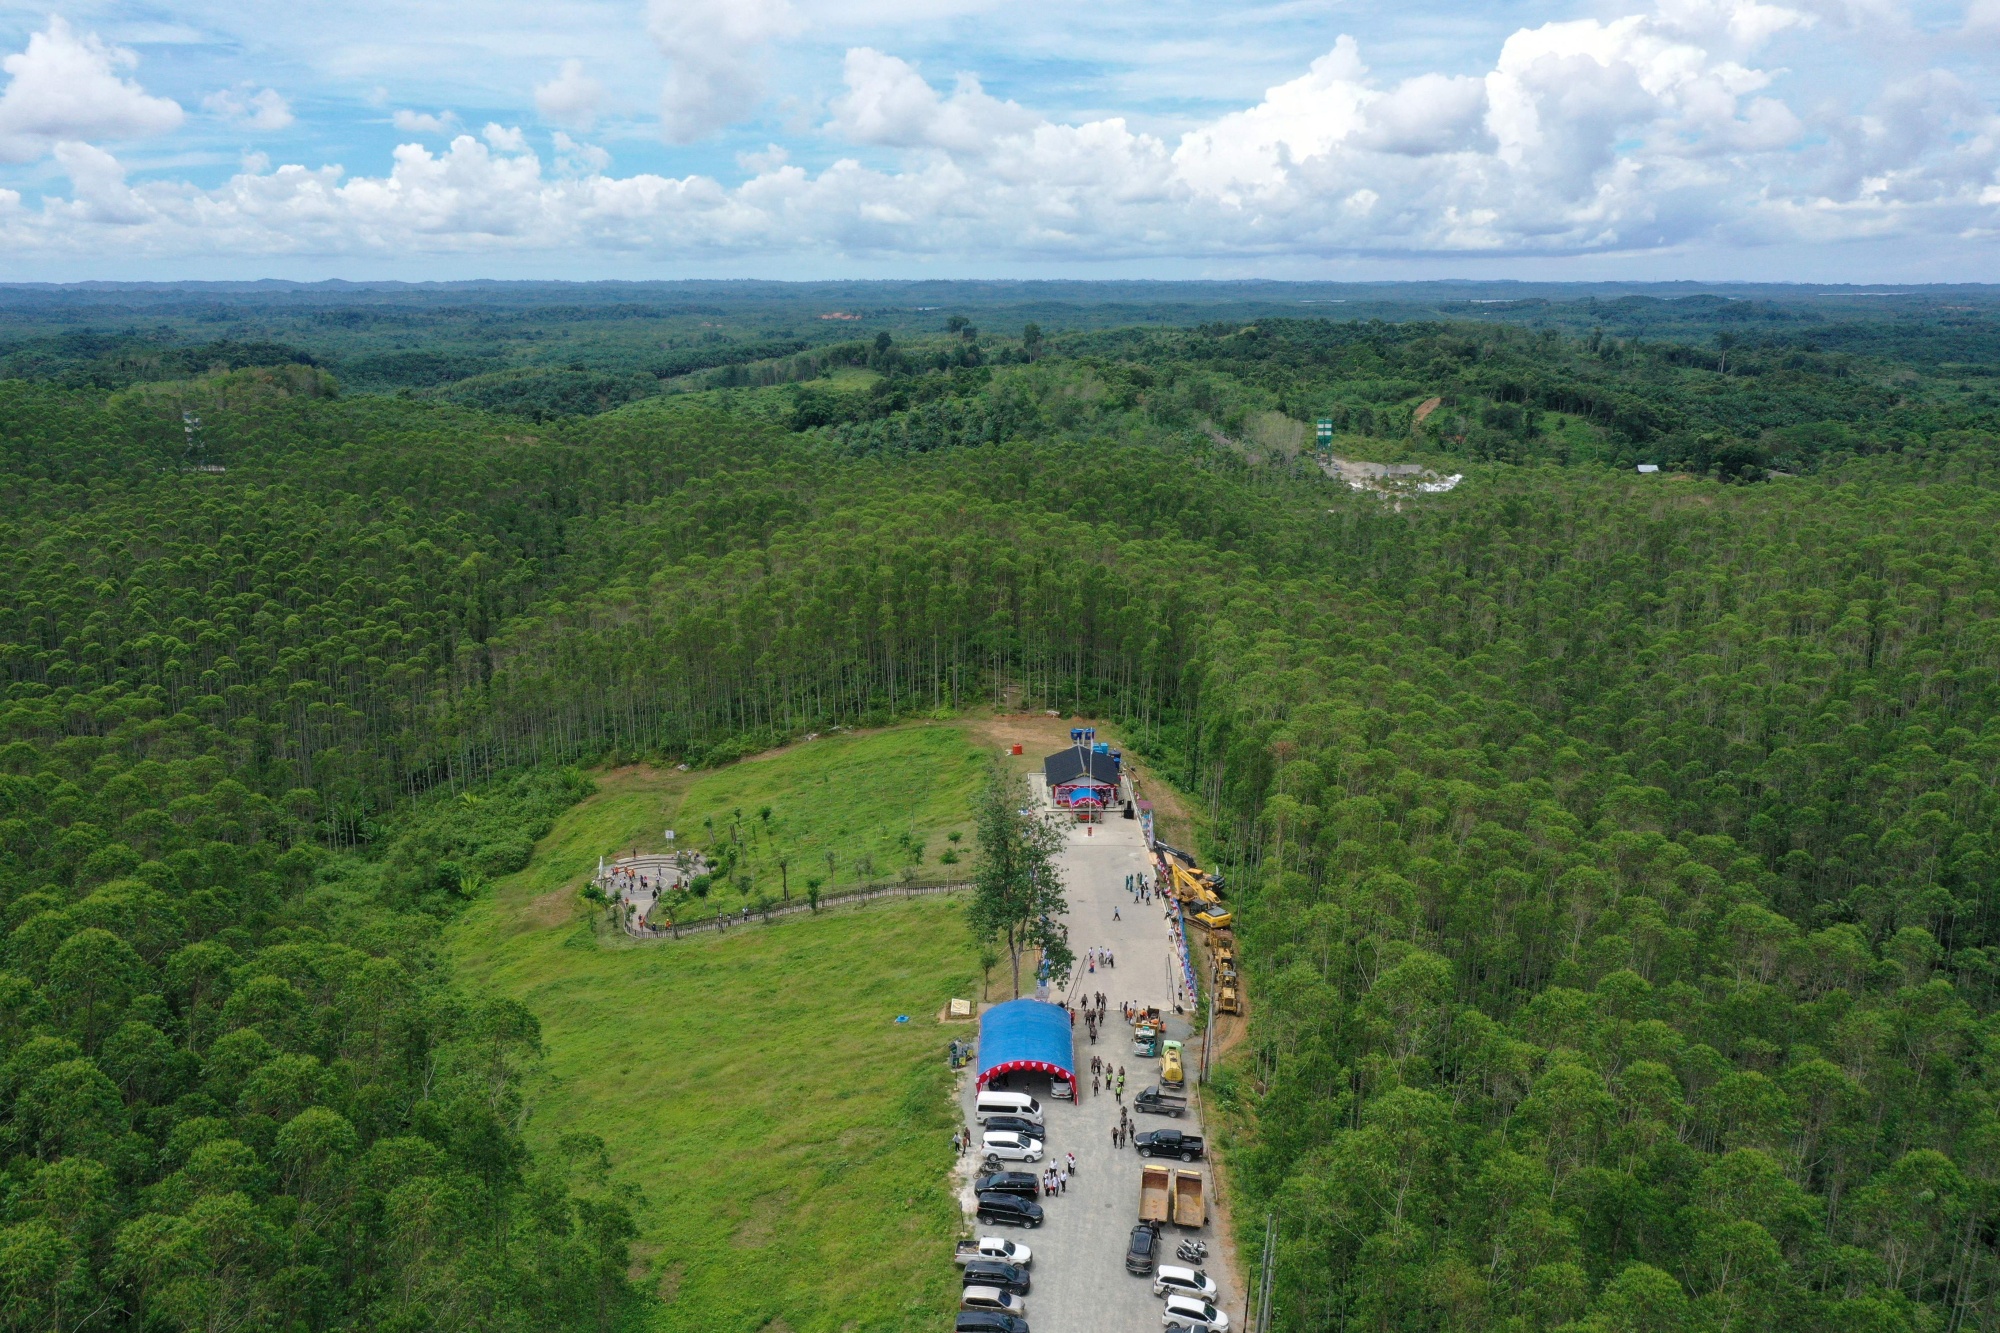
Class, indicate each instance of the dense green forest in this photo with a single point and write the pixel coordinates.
(1616, 853)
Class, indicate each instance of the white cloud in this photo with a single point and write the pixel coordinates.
(887, 102)
(571, 98)
(767, 159)
(98, 192)
(265, 110)
(423, 122)
(1659, 130)
(67, 87)
(579, 159)
(714, 49)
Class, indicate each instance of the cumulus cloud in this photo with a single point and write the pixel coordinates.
(265, 110)
(571, 98)
(68, 87)
(574, 158)
(713, 50)
(423, 122)
(1667, 128)
(887, 102)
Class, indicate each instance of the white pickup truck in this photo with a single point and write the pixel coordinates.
(992, 1247)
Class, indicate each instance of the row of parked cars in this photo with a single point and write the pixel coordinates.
(1011, 1128)
(996, 1271)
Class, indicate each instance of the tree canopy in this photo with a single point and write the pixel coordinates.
(1614, 854)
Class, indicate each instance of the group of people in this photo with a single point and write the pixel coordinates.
(1121, 1133)
(1055, 1176)
(1136, 885)
(1102, 1077)
(1093, 1014)
(1097, 954)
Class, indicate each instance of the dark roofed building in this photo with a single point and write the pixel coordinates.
(1081, 774)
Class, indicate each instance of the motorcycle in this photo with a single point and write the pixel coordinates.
(1191, 1251)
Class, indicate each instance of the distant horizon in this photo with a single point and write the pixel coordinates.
(1373, 284)
(1800, 141)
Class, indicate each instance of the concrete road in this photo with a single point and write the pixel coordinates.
(1080, 1283)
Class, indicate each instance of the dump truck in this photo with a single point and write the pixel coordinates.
(1190, 1208)
(1155, 1184)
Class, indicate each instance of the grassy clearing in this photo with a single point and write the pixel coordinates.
(788, 1137)
(882, 803)
(870, 799)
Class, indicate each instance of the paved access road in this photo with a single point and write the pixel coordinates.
(1080, 1283)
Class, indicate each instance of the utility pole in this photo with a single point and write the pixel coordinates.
(1260, 1313)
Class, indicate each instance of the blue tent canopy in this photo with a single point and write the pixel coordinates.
(1026, 1034)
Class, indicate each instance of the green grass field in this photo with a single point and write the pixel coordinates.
(883, 803)
(790, 1138)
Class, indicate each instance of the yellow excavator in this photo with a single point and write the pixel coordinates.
(1196, 890)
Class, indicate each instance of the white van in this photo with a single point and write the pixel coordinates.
(1007, 1103)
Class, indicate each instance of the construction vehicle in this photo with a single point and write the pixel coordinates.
(1229, 1001)
(1190, 1208)
(1192, 887)
(1213, 919)
(1155, 1184)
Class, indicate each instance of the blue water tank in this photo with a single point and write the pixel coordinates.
(1100, 748)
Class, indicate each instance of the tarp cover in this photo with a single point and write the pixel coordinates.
(1026, 1034)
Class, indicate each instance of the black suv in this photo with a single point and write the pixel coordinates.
(1014, 1124)
(1024, 1183)
(1009, 1210)
(1139, 1250)
(990, 1321)
(997, 1273)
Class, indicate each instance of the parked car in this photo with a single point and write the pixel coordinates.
(1009, 1210)
(989, 1321)
(1169, 1143)
(994, 1102)
(995, 1273)
(1172, 1280)
(1194, 1313)
(992, 1298)
(992, 1247)
(1023, 1183)
(1013, 1147)
(1158, 1101)
(1139, 1250)
(1014, 1124)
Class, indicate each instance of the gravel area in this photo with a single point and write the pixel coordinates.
(1080, 1283)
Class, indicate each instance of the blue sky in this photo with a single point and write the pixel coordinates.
(1817, 139)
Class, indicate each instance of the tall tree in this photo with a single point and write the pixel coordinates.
(1017, 889)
